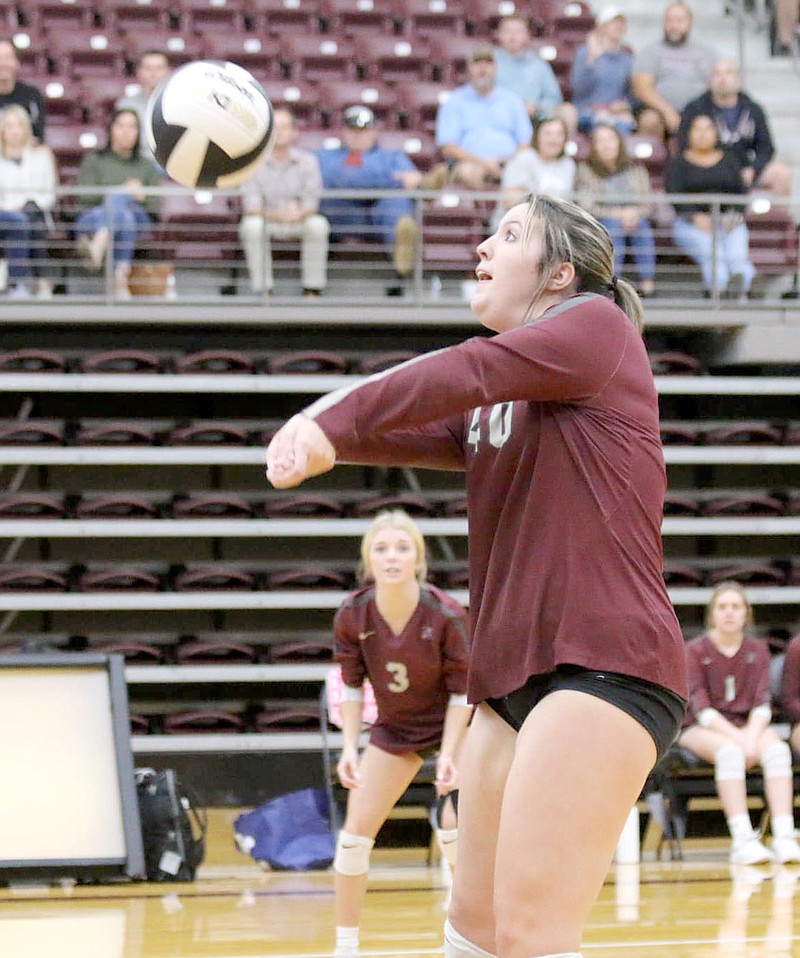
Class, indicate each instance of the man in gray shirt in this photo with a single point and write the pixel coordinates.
(670, 73)
(151, 68)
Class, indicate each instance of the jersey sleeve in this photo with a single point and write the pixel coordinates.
(455, 658)
(347, 649)
(699, 695)
(763, 695)
(790, 681)
(550, 360)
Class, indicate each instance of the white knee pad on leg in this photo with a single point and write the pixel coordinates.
(729, 764)
(457, 946)
(447, 840)
(777, 761)
(352, 854)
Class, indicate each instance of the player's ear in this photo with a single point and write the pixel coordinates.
(561, 278)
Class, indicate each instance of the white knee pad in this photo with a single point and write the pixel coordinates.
(457, 946)
(447, 840)
(352, 854)
(777, 761)
(729, 764)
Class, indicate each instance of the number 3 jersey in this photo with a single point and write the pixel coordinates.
(413, 673)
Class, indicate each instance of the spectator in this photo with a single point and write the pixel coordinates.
(718, 244)
(742, 129)
(601, 75)
(521, 70)
(787, 14)
(790, 690)
(361, 164)
(728, 724)
(481, 125)
(28, 183)
(543, 167)
(281, 200)
(14, 91)
(151, 68)
(125, 212)
(606, 177)
(670, 73)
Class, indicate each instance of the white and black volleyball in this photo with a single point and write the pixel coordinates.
(209, 124)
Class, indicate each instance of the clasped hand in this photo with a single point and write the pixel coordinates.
(298, 451)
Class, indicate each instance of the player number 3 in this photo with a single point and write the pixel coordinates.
(399, 674)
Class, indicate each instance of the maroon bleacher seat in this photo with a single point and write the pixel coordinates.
(410, 502)
(204, 722)
(51, 16)
(683, 574)
(308, 577)
(216, 577)
(140, 724)
(298, 96)
(204, 16)
(419, 104)
(423, 18)
(756, 572)
(90, 433)
(681, 504)
(219, 651)
(300, 651)
(180, 46)
(287, 720)
(744, 504)
(120, 361)
(99, 94)
(135, 653)
(80, 52)
(318, 57)
(304, 505)
(484, 15)
(458, 507)
(197, 228)
(70, 142)
(378, 362)
(280, 17)
(205, 361)
(131, 15)
(214, 433)
(116, 505)
(119, 579)
(31, 432)
(674, 363)
(678, 434)
(650, 151)
(31, 505)
(744, 434)
(569, 19)
(448, 55)
(349, 17)
(393, 59)
(254, 53)
(63, 98)
(303, 362)
(419, 147)
(457, 578)
(9, 19)
(32, 360)
(211, 505)
(773, 238)
(31, 578)
(335, 96)
(791, 434)
(452, 228)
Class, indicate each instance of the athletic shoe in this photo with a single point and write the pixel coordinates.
(343, 952)
(405, 246)
(786, 850)
(751, 852)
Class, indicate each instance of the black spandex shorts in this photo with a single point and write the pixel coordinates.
(654, 707)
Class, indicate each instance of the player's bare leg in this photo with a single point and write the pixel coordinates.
(579, 767)
(384, 778)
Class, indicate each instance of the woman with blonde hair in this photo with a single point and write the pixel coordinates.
(577, 660)
(410, 640)
(28, 183)
(728, 724)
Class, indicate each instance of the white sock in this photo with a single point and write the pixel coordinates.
(741, 829)
(346, 937)
(783, 826)
(457, 946)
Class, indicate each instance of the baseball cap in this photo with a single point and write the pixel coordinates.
(481, 53)
(607, 14)
(359, 117)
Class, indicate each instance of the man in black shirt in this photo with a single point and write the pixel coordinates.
(742, 127)
(12, 91)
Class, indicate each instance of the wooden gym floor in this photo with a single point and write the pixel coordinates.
(698, 908)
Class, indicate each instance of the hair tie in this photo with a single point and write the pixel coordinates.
(613, 284)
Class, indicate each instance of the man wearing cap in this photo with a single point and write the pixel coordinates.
(601, 75)
(361, 164)
(670, 73)
(481, 125)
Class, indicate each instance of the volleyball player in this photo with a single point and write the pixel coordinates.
(577, 661)
(410, 639)
(729, 725)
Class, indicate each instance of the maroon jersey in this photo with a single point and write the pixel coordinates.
(556, 425)
(790, 681)
(414, 673)
(733, 685)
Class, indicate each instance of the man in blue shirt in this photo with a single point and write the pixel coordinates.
(481, 125)
(359, 165)
(521, 70)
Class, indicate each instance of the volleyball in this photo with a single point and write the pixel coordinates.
(209, 124)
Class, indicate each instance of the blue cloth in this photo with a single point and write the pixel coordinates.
(641, 245)
(530, 77)
(14, 233)
(123, 217)
(732, 253)
(365, 218)
(492, 127)
(606, 79)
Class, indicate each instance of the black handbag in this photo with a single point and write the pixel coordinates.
(173, 826)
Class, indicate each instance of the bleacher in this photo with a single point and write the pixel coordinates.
(134, 513)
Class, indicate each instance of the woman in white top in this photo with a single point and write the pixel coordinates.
(27, 195)
(543, 167)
